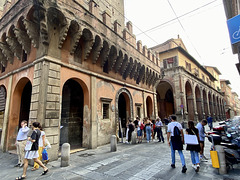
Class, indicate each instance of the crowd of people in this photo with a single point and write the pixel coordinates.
(146, 128)
(30, 144)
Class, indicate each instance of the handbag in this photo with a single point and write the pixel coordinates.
(44, 155)
(47, 144)
(190, 139)
(28, 146)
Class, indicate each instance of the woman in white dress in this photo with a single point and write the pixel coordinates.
(33, 152)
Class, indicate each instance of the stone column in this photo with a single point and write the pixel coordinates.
(93, 121)
(155, 104)
(45, 102)
(6, 116)
(144, 104)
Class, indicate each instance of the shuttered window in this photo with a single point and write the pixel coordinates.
(2, 98)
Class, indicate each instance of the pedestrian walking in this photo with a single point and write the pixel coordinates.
(158, 128)
(33, 152)
(175, 140)
(21, 142)
(41, 147)
(202, 135)
(193, 148)
(153, 130)
(148, 124)
(210, 121)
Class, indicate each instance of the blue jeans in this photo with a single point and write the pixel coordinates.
(194, 157)
(148, 132)
(180, 154)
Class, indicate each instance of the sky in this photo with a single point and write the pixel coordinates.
(201, 25)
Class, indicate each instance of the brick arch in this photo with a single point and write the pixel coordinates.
(14, 110)
(149, 106)
(127, 95)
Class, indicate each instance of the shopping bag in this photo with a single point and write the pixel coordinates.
(44, 155)
(28, 146)
(214, 157)
(47, 144)
(190, 139)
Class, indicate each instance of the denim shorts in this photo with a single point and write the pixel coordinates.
(139, 132)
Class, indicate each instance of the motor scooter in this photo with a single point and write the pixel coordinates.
(232, 151)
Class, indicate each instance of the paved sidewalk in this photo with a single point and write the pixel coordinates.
(134, 162)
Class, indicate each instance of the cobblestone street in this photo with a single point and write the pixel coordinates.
(140, 161)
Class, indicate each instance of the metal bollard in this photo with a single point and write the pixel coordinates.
(222, 160)
(134, 137)
(113, 143)
(65, 155)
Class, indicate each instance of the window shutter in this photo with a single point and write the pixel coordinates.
(2, 98)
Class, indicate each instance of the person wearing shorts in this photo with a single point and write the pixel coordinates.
(33, 152)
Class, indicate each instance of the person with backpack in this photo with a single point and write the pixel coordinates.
(175, 140)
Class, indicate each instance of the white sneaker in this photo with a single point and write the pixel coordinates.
(126, 142)
(197, 167)
(194, 166)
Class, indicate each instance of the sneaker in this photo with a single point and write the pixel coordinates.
(197, 167)
(194, 166)
(126, 142)
(184, 169)
(21, 165)
(173, 165)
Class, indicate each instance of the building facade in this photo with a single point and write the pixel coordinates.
(188, 89)
(74, 67)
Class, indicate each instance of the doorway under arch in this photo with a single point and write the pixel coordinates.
(124, 110)
(19, 110)
(165, 99)
(149, 104)
(189, 100)
(71, 129)
(198, 103)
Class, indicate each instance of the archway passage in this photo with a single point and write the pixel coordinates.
(165, 99)
(71, 130)
(25, 103)
(149, 107)
(123, 112)
(189, 99)
(198, 103)
(19, 110)
(205, 103)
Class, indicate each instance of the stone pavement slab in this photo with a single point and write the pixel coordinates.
(141, 161)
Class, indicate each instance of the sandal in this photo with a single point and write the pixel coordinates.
(34, 169)
(21, 177)
(45, 172)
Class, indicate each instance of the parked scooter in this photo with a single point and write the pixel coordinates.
(232, 151)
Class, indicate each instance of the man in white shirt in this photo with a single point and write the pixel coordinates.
(21, 142)
(176, 142)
